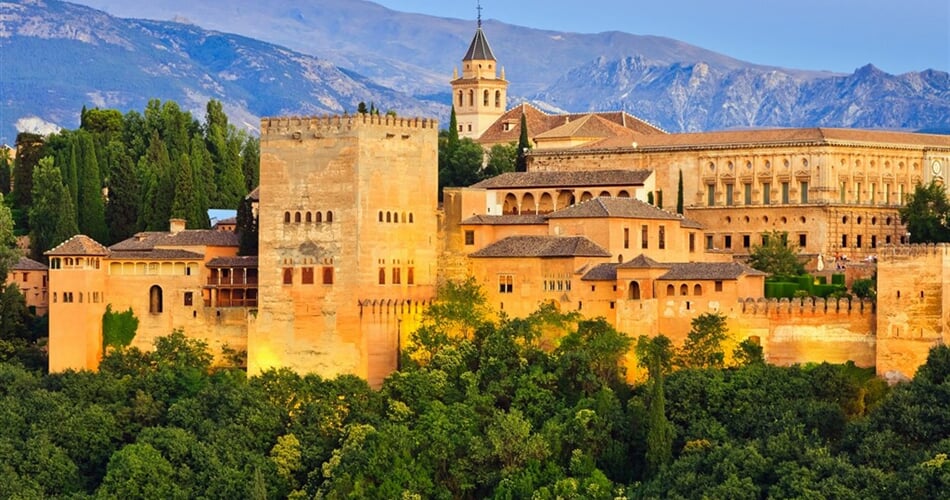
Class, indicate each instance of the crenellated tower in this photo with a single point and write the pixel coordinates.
(479, 95)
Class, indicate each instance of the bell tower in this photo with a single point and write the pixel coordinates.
(480, 95)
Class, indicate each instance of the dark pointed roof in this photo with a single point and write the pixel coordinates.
(479, 50)
(601, 272)
(643, 262)
(79, 245)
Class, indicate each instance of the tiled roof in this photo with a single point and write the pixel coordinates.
(254, 195)
(643, 262)
(479, 49)
(601, 272)
(79, 245)
(543, 246)
(159, 254)
(233, 262)
(631, 208)
(588, 126)
(540, 122)
(188, 238)
(28, 264)
(514, 180)
(709, 271)
(691, 224)
(505, 220)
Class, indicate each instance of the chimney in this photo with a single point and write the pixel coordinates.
(176, 226)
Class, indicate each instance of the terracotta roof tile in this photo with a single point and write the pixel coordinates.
(631, 208)
(505, 220)
(28, 264)
(709, 271)
(543, 246)
(79, 245)
(157, 254)
(540, 122)
(511, 180)
(643, 262)
(588, 126)
(601, 272)
(234, 262)
(188, 238)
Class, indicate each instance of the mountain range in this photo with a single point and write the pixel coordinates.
(325, 56)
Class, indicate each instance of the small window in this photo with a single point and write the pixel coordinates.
(25, 275)
(718, 285)
(397, 275)
(411, 276)
(154, 299)
(670, 291)
(319, 217)
(644, 237)
(684, 289)
(802, 240)
(329, 216)
(746, 241)
(410, 218)
(327, 275)
(286, 217)
(189, 298)
(727, 241)
(662, 238)
(697, 290)
(626, 237)
(288, 275)
(309, 217)
(382, 276)
(469, 237)
(306, 275)
(380, 216)
(296, 216)
(506, 283)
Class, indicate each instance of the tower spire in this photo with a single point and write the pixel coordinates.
(479, 14)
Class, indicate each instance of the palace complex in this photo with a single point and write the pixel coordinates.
(353, 240)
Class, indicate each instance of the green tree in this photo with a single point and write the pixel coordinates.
(158, 184)
(125, 197)
(140, 471)
(453, 131)
(184, 202)
(361, 108)
(748, 353)
(703, 345)
(656, 354)
(775, 256)
(247, 227)
(28, 153)
(6, 172)
(501, 158)
(927, 214)
(461, 166)
(679, 194)
(52, 217)
(118, 328)
(251, 163)
(523, 146)
(91, 216)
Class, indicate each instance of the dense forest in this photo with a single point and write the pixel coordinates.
(120, 174)
(482, 406)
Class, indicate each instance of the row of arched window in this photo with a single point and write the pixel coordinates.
(394, 217)
(308, 217)
(70, 297)
(633, 292)
(486, 98)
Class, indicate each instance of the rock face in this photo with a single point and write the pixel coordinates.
(66, 56)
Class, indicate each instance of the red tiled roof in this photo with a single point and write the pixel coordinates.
(234, 262)
(505, 220)
(542, 179)
(613, 207)
(188, 238)
(542, 246)
(79, 245)
(540, 122)
(709, 271)
(155, 254)
(28, 264)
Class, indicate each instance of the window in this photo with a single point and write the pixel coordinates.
(309, 217)
(24, 276)
(670, 291)
(327, 275)
(747, 193)
(626, 237)
(329, 216)
(154, 299)
(692, 242)
(382, 276)
(871, 196)
(306, 275)
(662, 237)
(887, 194)
(709, 242)
(803, 185)
(189, 298)
(411, 276)
(634, 290)
(288, 275)
(844, 241)
(857, 192)
(469, 237)
(644, 237)
(842, 188)
(802, 240)
(319, 217)
(497, 98)
(684, 289)
(506, 283)
(711, 195)
(296, 216)
(286, 217)
(697, 289)
(397, 275)
(766, 193)
(729, 190)
(718, 285)
(727, 241)
(857, 241)
(785, 193)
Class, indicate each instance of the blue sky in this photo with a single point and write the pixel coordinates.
(837, 35)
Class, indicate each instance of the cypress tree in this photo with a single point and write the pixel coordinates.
(6, 172)
(28, 150)
(52, 216)
(203, 183)
(184, 202)
(251, 163)
(91, 213)
(679, 194)
(125, 197)
(453, 131)
(247, 227)
(159, 186)
(523, 146)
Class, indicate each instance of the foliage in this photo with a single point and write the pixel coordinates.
(775, 256)
(679, 193)
(29, 150)
(926, 214)
(524, 145)
(748, 353)
(865, 288)
(118, 328)
(52, 218)
(502, 158)
(703, 346)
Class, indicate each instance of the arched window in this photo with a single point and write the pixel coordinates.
(297, 217)
(155, 299)
(310, 216)
(497, 98)
(286, 217)
(634, 290)
(485, 98)
(471, 97)
(319, 216)
(684, 289)
(404, 217)
(380, 216)
(410, 217)
(670, 291)
(389, 217)
(697, 290)
(460, 98)
(329, 216)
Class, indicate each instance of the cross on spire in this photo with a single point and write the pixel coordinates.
(479, 14)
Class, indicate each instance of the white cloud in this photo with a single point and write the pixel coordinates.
(36, 125)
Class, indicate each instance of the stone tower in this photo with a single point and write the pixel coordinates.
(479, 96)
(348, 249)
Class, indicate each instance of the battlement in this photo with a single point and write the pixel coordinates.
(300, 127)
(807, 306)
(916, 250)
